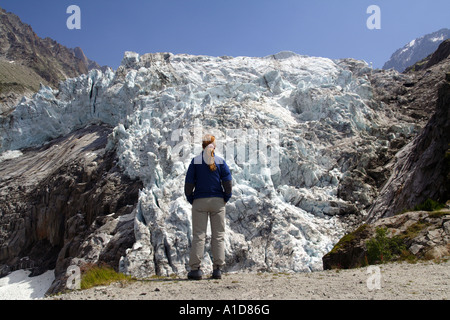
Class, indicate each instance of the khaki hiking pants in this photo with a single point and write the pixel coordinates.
(201, 209)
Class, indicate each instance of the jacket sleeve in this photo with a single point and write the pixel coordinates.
(189, 183)
(227, 184)
(227, 187)
(189, 192)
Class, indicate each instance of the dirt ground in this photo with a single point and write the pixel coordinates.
(405, 281)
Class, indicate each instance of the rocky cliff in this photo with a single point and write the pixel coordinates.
(421, 169)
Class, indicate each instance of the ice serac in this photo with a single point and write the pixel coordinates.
(296, 132)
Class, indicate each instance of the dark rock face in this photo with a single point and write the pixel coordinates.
(421, 170)
(65, 200)
(410, 98)
(441, 54)
(416, 169)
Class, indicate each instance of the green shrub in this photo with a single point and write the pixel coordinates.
(429, 205)
(382, 248)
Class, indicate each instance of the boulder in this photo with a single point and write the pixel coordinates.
(423, 235)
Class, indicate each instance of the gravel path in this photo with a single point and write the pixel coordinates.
(424, 280)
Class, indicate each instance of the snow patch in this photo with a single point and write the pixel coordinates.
(436, 39)
(19, 286)
(10, 154)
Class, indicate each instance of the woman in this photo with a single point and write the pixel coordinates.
(207, 187)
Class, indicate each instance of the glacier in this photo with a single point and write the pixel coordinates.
(288, 126)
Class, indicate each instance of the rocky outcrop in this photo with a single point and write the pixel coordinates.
(421, 234)
(78, 53)
(65, 203)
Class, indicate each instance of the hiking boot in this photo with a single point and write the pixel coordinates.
(217, 274)
(195, 274)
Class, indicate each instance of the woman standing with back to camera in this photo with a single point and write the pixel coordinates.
(208, 187)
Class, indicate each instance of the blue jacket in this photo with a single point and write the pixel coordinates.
(208, 183)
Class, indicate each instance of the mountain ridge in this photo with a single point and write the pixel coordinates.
(416, 50)
(22, 51)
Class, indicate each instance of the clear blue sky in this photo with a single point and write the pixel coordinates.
(326, 28)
